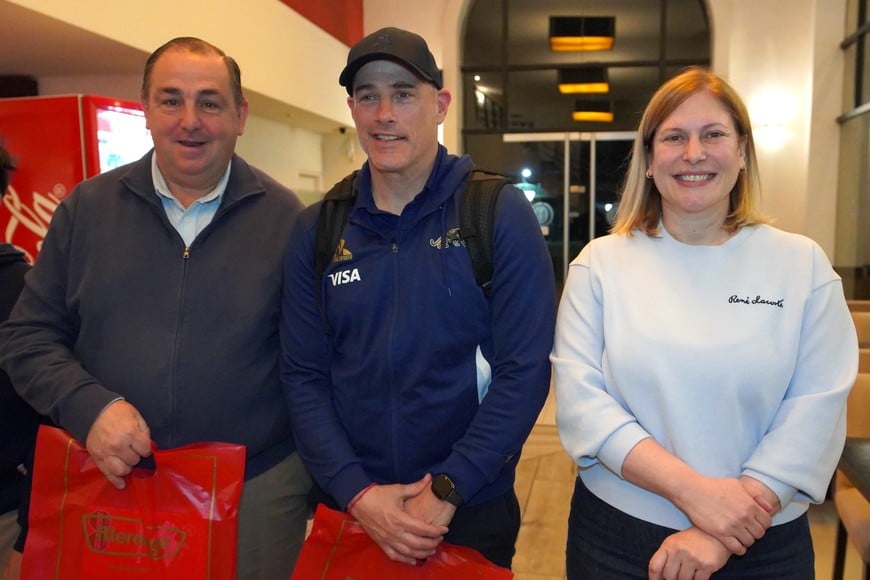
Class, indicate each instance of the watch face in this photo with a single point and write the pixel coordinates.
(442, 487)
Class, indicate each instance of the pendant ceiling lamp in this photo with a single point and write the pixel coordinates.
(573, 33)
(595, 111)
(585, 80)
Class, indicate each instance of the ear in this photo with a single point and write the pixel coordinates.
(243, 116)
(741, 153)
(143, 101)
(443, 99)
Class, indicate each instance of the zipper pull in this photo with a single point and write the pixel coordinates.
(394, 245)
(186, 253)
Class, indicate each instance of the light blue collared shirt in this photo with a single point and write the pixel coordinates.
(191, 221)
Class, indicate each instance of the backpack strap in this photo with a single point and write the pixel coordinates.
(476, 226)
(477, 222)
(334, 210)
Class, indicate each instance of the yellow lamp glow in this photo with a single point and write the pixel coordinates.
(595, 111)
(592, 80)
(576, 33)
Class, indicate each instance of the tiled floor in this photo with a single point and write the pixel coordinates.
(545, 481)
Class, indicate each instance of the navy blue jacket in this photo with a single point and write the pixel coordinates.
(421, 372)
(117, 305)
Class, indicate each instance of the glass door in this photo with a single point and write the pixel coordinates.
(572, 181)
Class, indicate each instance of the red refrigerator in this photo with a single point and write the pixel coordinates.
(56, 142)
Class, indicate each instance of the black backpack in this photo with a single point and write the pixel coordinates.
(476, 224)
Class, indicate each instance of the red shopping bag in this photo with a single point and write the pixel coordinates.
(176, 521)
(339, 548)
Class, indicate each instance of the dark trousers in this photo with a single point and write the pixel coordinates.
(491, 527)
(605, 543)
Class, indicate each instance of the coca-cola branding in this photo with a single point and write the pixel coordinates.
(56, 142)
(25, 217)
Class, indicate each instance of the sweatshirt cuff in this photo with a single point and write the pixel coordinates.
(783, 491)
(620, 443)
(347, 484)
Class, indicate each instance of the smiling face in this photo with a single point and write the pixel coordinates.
(193, 118)
(397, 116)
(696, 157)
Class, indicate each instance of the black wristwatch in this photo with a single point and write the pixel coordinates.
(444, 489)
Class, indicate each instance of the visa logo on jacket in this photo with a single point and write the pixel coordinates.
(345, 277)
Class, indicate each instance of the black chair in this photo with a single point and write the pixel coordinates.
(853, 509)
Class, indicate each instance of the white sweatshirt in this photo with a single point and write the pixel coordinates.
(736, 358)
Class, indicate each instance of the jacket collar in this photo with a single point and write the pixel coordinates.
(243, 181)
(447, 177)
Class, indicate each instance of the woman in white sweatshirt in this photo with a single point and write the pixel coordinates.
(702, 362)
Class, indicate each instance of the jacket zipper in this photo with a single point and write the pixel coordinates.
(394, 395)
(185, 256)
(176, 349)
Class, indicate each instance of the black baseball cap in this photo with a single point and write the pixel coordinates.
(394, 44)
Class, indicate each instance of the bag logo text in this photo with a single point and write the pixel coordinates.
(130, 537)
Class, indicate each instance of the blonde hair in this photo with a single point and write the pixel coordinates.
(640, 204)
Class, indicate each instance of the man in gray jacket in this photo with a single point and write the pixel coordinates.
(152, 311)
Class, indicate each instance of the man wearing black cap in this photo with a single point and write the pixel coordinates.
(411, 398)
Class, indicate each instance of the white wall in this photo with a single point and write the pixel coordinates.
(116, 86)
(824, 148)
(774, 76)
(792, 56)
(342, 154)
(292, 156)
(283, 56)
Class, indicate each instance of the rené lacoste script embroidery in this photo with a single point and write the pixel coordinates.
(734, 299)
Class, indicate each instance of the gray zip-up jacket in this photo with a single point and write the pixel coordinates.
(116, 305)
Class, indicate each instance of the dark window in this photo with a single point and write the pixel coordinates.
(506, 46)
